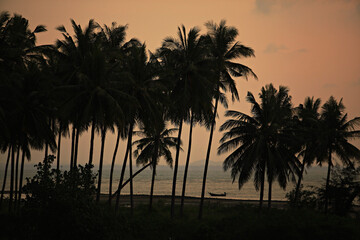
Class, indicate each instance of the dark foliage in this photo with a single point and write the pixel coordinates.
(343, 193)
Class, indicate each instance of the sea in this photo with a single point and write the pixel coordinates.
(218, 181)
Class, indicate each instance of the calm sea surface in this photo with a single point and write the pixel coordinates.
(218, 181)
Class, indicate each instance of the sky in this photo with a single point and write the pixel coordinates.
(310, 46)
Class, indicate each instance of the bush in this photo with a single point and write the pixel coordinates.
(307, 198)
(344, 189)
(60, 205)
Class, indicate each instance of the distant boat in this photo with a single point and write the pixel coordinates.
(217, 194)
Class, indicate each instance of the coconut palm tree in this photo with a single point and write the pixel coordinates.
(155, 143)
(139, 82)
(112, 41)
(308, 124)
(224, 49)
(262, 142)
(187, 67)
(94, 93)
(24, 90)
(335, 133)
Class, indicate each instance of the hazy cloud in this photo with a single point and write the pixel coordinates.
(273, 48)
(355, 83)
(302, 50)
(267, 6)
(329, 85)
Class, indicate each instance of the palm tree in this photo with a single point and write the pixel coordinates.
(308, 116)
(139, 82)
(335, 131)
(156, 143)
(24, 91)
(262, 142)
(224, 50)
(187, 68)
(112, 41)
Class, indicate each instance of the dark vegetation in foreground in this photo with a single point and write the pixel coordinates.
(239, 222)
(61, 205)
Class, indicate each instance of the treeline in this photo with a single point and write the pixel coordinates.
(97, 81)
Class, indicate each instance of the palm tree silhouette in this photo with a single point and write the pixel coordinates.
(94, 93)
(335, 131)
(262, 142)
(22, 112)
(224, 50)
(156, 143)
(188, 70)
(140, 84)
(308, 126)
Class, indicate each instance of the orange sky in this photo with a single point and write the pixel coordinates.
(311, 46)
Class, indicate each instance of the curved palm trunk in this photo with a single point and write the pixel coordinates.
(123, 169)
(131, 178)
(16, 174)
(76, 147)
(21, 177)
(186, 166)
(269, 194)
(72, 147)
(59, 148)
(297, 190)
(327, 183)
(5, 176)
(12, 178)
(92, 142)
(153, 176)
(207, 159)
(113, 165)
(176, 169)
(103, 135)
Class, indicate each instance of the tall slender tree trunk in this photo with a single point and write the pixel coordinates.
(21, 177)
(92, 142)
(297, 190)
(207, 159)
(269, 194)
(12, 178)
(47, 144)
(186, 166)
(103, 135)
(154, 163)
(176, 169)
(113, 165)
(76, 147)
(46, 150)
(59, 148)
(123, 169)
(72, 146)
(262, 191)
(328, 182)
(131, 178)
(16, 174)
(5, 176)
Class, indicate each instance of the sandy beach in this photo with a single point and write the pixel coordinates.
(166, 199)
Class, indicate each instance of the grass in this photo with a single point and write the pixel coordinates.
(219, 222)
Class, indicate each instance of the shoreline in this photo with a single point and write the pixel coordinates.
(143, 199)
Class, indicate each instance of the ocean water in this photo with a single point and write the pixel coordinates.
(218, 181)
